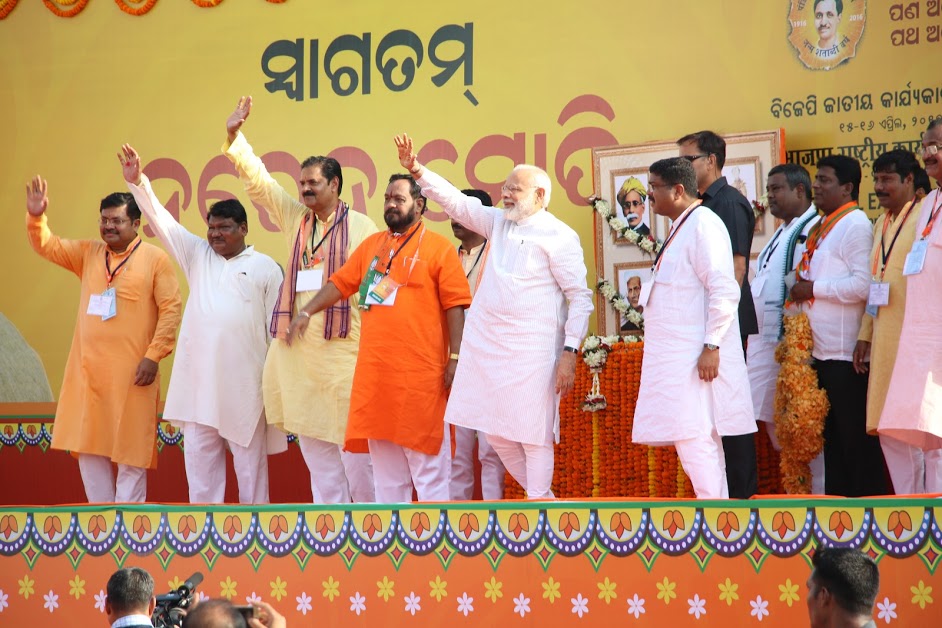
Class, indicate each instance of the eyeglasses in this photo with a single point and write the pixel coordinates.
(627, 204)
(930, 150)
(515, 189)
(693, 158)
(655, 186)
(112, 222)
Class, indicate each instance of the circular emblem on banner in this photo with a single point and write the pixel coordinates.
(826, 32)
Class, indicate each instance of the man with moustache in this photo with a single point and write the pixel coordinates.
(215, 392)
(631, 197)
(706, 151)
(306, 387)
(878, 340)
(833, 282)
(528, 321)
(694, 386)
(633, 294)
(412, 292)
(789, 193)
(129, 311)
(473, 253)
(911, 413)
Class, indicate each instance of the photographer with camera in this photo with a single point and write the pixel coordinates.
(130, 600)
(223, 614)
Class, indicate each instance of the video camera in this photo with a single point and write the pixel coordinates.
(171, 607)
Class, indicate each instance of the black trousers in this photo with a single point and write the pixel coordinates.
(853, 460)
(740, 454)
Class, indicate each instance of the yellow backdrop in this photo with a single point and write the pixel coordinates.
(486, 84)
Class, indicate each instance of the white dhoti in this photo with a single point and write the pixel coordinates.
(396, 469)
(101, 487)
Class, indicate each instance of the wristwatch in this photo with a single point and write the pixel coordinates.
(710, 347)
(453, 356)
(570, 350)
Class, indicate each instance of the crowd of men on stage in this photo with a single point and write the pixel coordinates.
(368, 346)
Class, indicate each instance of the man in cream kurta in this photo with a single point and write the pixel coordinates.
(307, 386)
(524, 327)
(694, 386)
(789, 192)
(128, 314)
(893, 237)
(215, 392)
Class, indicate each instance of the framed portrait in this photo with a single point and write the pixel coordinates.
(629, 278)
(620, 177)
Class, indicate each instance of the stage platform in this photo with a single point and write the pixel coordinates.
(670, 562)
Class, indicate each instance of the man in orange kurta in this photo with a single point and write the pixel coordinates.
(128, 315)
(409, 345)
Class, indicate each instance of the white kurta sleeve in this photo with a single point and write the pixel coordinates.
(467, 210)
(180, 243)
(713, 266)
(568, 267)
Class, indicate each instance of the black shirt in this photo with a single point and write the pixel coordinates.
(737, 214)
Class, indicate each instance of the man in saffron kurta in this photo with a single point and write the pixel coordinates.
(893, 236)
(694, 386)
(215, 393)
(306, 387)
(409, 346)
(912, 412)
(128, 314)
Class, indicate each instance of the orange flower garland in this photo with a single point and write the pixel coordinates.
(135, 11)
(6, 6)
(800, 406)
(77, 7)
(206, 4)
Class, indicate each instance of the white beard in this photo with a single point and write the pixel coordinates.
(521, 209)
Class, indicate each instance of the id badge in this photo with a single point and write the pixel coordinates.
(758, 283)
(383, 291)
(916, 258)
(645, 292)
(879, 294)
(111, 301)
(310, 280)
(102, 305)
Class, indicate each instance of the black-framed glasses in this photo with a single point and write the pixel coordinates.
(693, 158)
(634, 203)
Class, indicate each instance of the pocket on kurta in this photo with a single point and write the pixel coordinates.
(418, 276)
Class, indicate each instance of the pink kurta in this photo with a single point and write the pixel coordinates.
(913, 409)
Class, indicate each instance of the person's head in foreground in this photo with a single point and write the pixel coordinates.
(842, 587)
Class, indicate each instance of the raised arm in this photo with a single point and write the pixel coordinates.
(181, 244)
(261, 187)
(467, 210)
(69, 254)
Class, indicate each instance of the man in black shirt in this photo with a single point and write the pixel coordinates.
(707, 152)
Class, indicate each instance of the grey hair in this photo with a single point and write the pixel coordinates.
(540, 178)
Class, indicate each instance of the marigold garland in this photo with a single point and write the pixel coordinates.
(647, 243)
(135, 11)
(6, 6)
(800, 405)
(206, 4)
(620, 303)
(77, 7)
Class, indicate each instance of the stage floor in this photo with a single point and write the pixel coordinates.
(670, 562)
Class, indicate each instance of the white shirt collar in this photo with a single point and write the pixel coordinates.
(131, 620)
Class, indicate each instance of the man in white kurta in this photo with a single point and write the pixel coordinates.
(528, 318)
(215, 392)
(694, 387)
(789, 193)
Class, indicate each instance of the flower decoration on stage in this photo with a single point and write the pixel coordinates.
(595, 353)
(620, 226)
(620, 303)
(800, 406)
(760, 206)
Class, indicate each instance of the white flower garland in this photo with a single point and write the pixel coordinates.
(595, 354)
(621, 228)
(620, 303)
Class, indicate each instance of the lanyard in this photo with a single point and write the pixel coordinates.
(884, 252)
(674, 230)
(770, 248)
(476, 260)
(111, 274)
(393, 254)
(309, 256)
(933, 214)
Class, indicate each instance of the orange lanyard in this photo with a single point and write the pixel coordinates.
(674, 230)
(884, 252)
(933, 214)
(820, 231)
